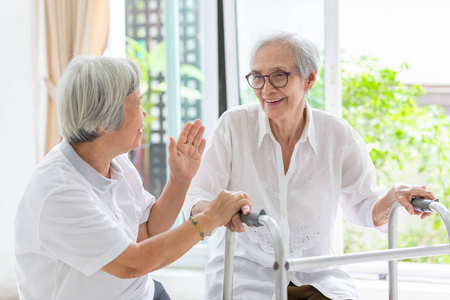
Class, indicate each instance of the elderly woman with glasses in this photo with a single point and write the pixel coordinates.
(298, 164)
(86, 228)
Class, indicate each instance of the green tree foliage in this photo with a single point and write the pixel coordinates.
(406, 142)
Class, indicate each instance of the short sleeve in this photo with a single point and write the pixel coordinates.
(75, 229)
(146, 205)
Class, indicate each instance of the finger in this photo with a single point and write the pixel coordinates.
(405, 202)
(237, 224)
(172, 148)
(425, 215)
(420, 192)
(201, 147)
(198, 137)
(247, 207)
(230, 226)
(183, 137)
(193, 132)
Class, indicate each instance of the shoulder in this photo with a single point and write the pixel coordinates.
(329, 122)
(246, 111)
(130, 172)
(332, 131)
(240, 115)
(53, 175)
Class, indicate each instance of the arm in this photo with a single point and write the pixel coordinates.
(402, 194)
(359, 181)
(184, 159)
(214, 174)
(158, 251)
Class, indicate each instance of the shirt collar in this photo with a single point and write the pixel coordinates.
(309, 132)
(97, 180)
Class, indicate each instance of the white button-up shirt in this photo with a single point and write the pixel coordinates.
(329, 165)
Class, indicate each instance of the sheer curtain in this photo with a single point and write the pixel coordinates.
(75, 27)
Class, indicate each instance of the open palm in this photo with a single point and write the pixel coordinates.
(185, 154)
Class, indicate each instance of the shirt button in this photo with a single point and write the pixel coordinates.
(283, 213)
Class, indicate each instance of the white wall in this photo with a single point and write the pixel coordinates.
(18, 130)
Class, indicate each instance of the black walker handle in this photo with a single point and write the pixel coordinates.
(422, 205)
(252, 218)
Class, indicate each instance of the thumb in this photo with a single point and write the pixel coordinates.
(245, 209)
(172, 148)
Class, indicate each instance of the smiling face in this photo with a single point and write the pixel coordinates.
(129, 136)
(279, 103)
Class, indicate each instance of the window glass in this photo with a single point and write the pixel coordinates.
(256, 18)
(145, 43)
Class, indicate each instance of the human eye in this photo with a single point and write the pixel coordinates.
(278, 77)
(278, 74)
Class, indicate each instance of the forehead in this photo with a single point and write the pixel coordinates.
(274, 57)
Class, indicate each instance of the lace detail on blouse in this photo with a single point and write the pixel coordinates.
(305, 234)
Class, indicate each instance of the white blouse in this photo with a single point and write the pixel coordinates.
(330, 165)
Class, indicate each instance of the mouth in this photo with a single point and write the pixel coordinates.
(273, 100)
(141, 130)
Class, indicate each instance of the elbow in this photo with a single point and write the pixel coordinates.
(141, 264)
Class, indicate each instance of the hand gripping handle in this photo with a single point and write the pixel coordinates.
(252, 218)
(422, 205)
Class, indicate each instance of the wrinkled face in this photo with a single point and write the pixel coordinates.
(279, 103)
(129, 136)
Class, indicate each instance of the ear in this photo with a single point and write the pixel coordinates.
(311, 79)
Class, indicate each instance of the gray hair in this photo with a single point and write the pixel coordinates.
(91, 96)
(306, 52)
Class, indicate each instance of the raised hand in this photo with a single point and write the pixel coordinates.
(185, 154)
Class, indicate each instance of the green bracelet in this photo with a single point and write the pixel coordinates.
(199, 229)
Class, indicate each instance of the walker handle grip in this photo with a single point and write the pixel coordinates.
(422, 205)
(252, 218)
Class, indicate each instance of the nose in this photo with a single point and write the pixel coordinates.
(268, 87)
(144, 112)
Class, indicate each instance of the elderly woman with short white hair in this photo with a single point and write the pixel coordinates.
(86, 228)
(298, 164)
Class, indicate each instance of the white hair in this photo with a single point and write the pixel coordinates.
(306, 52)
(91, 96)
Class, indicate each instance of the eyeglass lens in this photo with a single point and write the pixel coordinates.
(277, 79)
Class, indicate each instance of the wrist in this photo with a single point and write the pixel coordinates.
(206, 222)
(179, 182)
(382, 209)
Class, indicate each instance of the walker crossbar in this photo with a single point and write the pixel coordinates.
(281, 265)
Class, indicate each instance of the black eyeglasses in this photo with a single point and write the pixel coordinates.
(278, 79)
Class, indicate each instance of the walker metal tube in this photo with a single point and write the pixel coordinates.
(351, 258)
(280, 257)
(228, 266)
(281, 265)
(444, 213)
(424, 205)
(392, 244)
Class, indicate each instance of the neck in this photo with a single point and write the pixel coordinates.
(96, 155)
(288, 131)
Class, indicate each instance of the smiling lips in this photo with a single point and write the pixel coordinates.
(273, 101)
